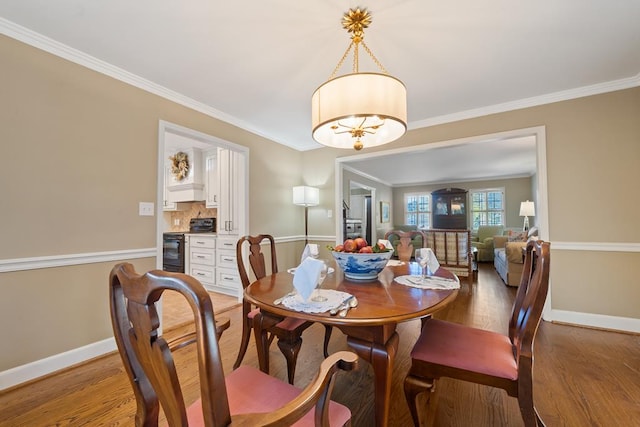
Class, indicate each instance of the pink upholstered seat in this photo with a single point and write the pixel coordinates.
(457, 351)
(461, 347)
(246, 396)
(288, 323)
(250, 390)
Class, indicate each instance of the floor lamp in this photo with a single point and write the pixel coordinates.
(306, 196)
(527, 209)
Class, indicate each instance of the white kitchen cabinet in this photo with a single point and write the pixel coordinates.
(212, 260)
(211, 186)
(202, 259)
(166, 204)
(231, 191)
(227, 277)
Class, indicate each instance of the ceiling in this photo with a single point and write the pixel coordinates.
(482, 160)
(255, 64)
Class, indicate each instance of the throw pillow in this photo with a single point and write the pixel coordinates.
(515, 236)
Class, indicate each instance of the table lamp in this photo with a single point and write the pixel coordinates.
(527, 209)
(306, 196)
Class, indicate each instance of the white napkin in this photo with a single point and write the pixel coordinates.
(333, 299)
(306, 276)
(387, 244)
(311, 250)
(430, 282)
(432, 262)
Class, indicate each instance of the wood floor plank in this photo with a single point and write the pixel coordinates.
(583, 377)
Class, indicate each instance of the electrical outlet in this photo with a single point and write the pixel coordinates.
(145, 209)
(176, 221)
(329, 213)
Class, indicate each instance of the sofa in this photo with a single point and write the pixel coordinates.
(508, 259)
(483, 240)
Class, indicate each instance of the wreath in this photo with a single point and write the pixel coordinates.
(179, 165)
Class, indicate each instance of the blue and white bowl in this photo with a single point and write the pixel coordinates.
(362, 266)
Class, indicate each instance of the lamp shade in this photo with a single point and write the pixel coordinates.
(527, 209)
(306, 196)
(359, 100)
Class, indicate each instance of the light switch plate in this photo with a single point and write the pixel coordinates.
(146, 209)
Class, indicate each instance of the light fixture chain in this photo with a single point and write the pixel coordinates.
(356, 59)
(373, 57)
(344, 57)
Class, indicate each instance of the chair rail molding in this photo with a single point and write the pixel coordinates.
(596, 246)
(34, 263)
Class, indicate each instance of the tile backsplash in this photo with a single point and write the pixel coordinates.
(196, 210)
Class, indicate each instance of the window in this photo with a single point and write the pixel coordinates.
(487, 207)
(417, 210)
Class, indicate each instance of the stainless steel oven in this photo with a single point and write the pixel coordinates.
(173, 252)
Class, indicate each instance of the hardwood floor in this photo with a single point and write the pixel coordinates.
(176, 312)
(583, 377)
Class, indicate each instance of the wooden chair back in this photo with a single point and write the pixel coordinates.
(150, 365)
(146, 355)
(256, 257)
(529, 303)
(452, 248)
(405, 247)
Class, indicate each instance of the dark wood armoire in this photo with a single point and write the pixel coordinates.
(449, 208)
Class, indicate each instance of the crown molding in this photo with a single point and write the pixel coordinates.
(534, 101)
(61, 50)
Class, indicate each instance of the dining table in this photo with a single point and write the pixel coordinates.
(370, 326)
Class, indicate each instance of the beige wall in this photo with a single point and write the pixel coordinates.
(80, 152)
(516, 190)
(83, 153)
(52, 310)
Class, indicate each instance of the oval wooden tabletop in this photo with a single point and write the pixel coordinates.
(380, 301)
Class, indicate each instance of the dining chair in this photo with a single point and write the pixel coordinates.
(406, 239)
(246, 396)
(446, 349)
(289, 329)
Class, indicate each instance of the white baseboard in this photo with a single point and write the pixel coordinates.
(39, 368)
(600, 321)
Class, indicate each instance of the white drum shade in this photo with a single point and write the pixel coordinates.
(353, 97)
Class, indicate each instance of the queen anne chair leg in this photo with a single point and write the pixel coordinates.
(525, 402)
(290, 350)
(244, 341)
(413, 387)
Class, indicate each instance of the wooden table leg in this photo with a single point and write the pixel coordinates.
(381, 357)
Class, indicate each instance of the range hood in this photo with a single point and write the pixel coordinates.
(187, 187)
